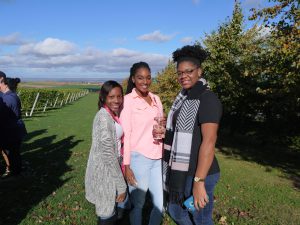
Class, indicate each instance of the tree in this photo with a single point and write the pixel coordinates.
(281, 60)
(255, 73)
(232, 69)
(166, 85)
(124, 84)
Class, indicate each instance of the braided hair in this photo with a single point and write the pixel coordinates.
(133, 69)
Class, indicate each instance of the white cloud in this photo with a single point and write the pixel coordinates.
(48, 47)
(187, 40)
(155, 36)
(11, 39)
(38, 57)
(7, 60)
(122, 52)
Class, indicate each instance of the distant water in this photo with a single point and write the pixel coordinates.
(77, 80)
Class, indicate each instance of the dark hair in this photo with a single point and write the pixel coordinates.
(193, 53)
(12, 83)
(2, 74)
(105, 89)
(133, 69)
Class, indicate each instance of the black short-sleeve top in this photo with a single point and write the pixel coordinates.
(210, 111)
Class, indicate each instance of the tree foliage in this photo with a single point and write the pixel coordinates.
(232, 68)
(281, 62)
(256, 74)
(166, 85)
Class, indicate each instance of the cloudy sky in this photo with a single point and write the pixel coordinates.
(102, 38)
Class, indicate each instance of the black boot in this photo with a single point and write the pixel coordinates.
(122, 216)
(120, 213)
(109, 221)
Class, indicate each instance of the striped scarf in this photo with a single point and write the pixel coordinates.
(178, 141)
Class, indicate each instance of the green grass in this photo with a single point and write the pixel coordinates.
(250, 193)
(51, 191)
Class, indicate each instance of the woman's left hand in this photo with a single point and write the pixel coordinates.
(200, 195)
(121, 197)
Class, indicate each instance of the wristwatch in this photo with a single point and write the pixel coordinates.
(198, 179)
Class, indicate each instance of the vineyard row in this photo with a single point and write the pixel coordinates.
(40, 100)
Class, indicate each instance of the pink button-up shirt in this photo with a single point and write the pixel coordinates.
(137, 119)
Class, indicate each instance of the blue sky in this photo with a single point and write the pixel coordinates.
(94, 38)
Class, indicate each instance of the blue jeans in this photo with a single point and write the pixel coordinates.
(181, 215)
(148, 174)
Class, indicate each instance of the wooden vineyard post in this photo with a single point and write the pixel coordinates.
(55, 102)
(34, 104)
(71, 99)
(67, 98)
(45, 106)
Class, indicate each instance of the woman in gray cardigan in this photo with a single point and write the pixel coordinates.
(105, 186)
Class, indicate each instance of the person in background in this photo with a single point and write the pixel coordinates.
(105, 185)
(4, 124)
(11, 154)
(190, 166)
(142, 154)
(9, 95)
(2, 77)
(4, 116)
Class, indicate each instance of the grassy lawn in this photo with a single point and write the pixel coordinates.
(51, 191)
(250, 193)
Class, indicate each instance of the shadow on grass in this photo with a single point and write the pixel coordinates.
(271, 156)
(45, 163)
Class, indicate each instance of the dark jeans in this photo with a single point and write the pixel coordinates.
(14, 158)
(181, 215)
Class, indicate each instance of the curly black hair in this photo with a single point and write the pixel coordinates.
(194, 53)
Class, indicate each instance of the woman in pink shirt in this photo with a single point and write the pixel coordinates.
(142, 154)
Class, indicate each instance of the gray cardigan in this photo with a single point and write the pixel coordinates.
(104, 178)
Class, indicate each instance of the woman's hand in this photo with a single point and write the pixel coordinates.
(121, 197)
(129, 176)
(200, 195)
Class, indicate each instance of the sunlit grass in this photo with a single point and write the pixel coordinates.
(51, 191)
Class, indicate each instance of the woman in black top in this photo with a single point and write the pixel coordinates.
(190, 166)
